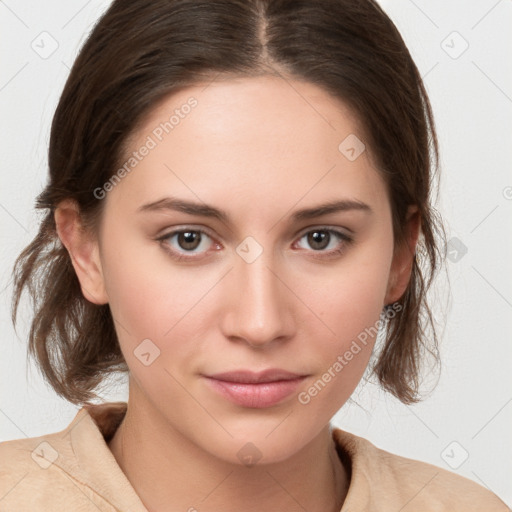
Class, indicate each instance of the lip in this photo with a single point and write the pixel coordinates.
(255, 390)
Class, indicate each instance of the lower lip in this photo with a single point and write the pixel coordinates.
(257, 396)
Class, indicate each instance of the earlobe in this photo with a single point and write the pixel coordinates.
(83, 251)
(403, 258)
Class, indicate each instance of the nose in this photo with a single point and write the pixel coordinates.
(259, 308)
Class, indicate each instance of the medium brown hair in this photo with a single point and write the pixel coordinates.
(141, 51)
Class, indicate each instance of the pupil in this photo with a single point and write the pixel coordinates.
(318, 239)
(189, 239)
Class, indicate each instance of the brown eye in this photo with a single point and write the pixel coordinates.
(318, 240)
(189, 240)
(325, 242)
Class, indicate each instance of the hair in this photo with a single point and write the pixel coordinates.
(140, 52)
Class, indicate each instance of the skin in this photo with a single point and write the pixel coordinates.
(259, 149)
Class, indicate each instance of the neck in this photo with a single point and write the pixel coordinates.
(170, 473)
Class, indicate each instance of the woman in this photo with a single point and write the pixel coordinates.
(238, 203)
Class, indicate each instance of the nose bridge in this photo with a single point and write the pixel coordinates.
(260, 312)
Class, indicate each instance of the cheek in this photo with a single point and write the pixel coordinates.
(349, 302)
(350, 297)
(148, 295)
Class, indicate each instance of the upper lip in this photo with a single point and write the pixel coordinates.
(249, 377)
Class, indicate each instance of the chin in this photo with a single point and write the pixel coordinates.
(254, 443)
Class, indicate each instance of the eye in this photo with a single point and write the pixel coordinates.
(324, 240)
(183, 242)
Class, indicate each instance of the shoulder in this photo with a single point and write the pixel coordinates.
(44, 472)
(393, 482)
(27, 469)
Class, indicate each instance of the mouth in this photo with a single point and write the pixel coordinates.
(255, 390)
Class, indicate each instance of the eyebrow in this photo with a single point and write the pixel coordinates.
(204, 210)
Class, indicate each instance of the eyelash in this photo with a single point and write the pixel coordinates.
(319, 254)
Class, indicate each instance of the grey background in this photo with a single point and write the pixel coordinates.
(463, 51)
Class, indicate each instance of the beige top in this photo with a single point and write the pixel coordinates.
(75, 470)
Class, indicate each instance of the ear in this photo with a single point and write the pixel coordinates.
(403, 257)
(83, 251)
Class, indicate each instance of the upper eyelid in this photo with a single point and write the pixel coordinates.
(345, 238)
(323, 228)
(178, 230)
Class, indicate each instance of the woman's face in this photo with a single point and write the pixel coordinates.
(269, 246)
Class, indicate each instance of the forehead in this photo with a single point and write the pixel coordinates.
(253, 138)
